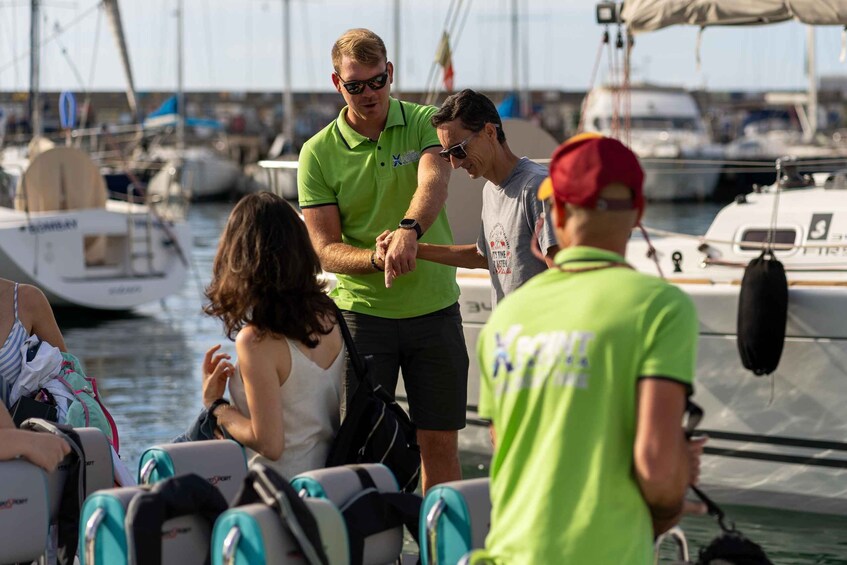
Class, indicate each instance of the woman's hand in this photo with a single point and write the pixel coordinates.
(44, 450)
(216, 371)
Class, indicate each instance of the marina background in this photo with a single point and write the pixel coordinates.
(238, 46)
(148, 361)
(147, 364)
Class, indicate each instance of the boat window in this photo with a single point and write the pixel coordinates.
(664, 123)
(760, 235)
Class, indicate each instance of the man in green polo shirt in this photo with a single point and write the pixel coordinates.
(585, 371)
(375, 168)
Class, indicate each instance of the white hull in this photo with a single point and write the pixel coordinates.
(48, 250)
(202, 173)
(780, 447)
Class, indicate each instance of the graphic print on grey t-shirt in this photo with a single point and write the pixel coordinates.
(500, 250)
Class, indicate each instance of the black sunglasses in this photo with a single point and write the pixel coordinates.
(458, 150)
(358, 86)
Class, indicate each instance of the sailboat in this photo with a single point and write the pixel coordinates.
(776, 441)
(60, 232)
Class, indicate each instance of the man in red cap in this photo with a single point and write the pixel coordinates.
(585, 372)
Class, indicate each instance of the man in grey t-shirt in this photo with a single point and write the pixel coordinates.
(471, 132)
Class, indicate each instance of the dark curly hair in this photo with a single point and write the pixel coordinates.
(266, 274)
(471, 108)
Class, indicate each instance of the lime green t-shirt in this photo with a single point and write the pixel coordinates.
(559, 362)
(372, 183)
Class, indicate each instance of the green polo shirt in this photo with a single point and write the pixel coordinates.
(372, 183)
(560, 360)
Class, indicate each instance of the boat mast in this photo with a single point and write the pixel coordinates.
(395, 87)
(812, 75)
(287, 95)
(35, 68)
(515, 47)
(114, 14)
(180, 92)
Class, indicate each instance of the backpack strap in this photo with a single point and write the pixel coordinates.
(73, 491)
(178, 496)
(373, 511)
(359, 366)
(264, 485)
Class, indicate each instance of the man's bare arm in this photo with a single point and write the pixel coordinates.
(661, 459)
(551, 255)
(429, 198)
(466, 256)
(324, 226)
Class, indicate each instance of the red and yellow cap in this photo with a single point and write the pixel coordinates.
(584, 165)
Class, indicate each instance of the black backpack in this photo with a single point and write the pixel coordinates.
(376, 429)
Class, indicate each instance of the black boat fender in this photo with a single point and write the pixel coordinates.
(762, 314)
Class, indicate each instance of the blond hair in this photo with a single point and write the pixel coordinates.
(361, 45)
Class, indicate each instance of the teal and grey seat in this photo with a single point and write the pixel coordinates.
(24, 512)
(221, 462)
(455, 519)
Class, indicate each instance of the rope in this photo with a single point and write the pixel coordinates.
(47, 40)
(604, 40)
(87, 102)
(450, 22)
(627, 89)
(774, 211)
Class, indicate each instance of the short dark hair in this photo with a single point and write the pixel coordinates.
(473, 109)
(266, 274)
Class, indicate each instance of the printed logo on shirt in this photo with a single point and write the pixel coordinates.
(406, 158)
(500, 250)
(558, 358)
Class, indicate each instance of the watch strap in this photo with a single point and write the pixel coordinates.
(415, 226)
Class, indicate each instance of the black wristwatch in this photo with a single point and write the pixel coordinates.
(411, 224)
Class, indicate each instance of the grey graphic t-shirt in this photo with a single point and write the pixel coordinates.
(509, 215)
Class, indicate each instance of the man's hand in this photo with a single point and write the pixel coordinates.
(689, 507)
(383, 240)
(695, 452)
(400, 258)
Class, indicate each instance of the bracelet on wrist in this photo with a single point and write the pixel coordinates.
(374, 264)
(217, 403)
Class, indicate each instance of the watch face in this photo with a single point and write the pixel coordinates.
(407, 223)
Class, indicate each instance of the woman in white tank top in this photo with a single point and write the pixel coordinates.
(286, 386)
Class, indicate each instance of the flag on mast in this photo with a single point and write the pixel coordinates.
(444, 57)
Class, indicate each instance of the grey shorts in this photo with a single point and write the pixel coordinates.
(431, 352)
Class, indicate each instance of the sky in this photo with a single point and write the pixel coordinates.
(237, 46)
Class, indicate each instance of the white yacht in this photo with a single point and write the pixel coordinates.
(663, 126)
(62, 234)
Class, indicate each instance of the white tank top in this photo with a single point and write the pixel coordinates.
(311, 398)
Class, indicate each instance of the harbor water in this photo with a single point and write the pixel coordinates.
(148, 368)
